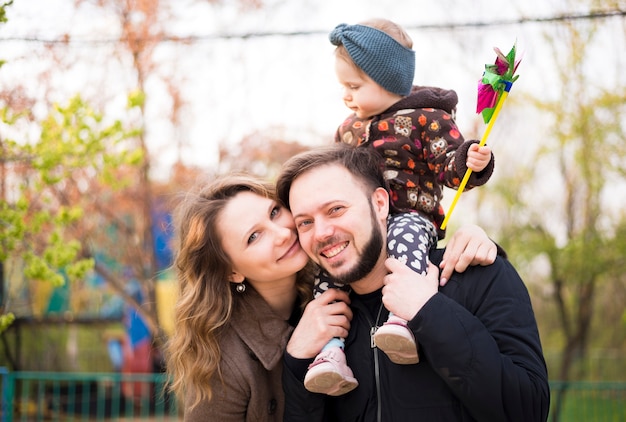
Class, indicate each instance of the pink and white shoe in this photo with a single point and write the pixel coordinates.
(330, 374)
(397, 341)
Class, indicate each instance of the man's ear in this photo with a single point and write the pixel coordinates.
(236, 277)
(380, 200)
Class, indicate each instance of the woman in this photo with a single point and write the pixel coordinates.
(244, 281)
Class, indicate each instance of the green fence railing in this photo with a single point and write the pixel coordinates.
(62, 396)
(588, 401)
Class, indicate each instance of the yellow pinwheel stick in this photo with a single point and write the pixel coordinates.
(483, 140)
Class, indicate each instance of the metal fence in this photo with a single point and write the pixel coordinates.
(588, 401)
(62, 396)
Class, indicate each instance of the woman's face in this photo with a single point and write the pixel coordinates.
(259, 236)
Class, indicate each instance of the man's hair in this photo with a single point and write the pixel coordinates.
(363, 163)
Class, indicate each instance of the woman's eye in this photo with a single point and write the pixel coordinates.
(275, 211)
(253, 237)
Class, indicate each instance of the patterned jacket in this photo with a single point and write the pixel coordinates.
(422, 148)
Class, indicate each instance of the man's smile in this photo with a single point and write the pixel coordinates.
(334, 251)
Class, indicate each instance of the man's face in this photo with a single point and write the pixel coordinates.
(338, 223)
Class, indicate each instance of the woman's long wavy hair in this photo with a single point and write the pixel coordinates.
(206, 295)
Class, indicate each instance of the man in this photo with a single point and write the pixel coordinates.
(480, 352)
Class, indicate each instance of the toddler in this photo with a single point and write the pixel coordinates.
(413, 129)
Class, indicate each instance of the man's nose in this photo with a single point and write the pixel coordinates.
(323, 230)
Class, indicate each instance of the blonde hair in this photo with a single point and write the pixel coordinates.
(390, 28)
(206, 297)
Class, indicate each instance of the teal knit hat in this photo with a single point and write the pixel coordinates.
(389, 63)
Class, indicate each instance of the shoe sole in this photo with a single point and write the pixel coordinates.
(398, 349)
(329, 383)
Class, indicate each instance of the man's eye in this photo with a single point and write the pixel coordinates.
(303, 225)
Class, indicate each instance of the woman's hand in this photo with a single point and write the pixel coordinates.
(469, 245)
(325, 317)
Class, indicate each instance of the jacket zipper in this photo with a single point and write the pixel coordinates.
(373, 328)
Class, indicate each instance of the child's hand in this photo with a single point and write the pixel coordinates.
(478, 157)
(325, 317)
(405, 291)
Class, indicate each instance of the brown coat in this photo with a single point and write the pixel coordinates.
(252, 350)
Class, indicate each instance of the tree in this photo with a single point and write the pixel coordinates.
(141, 25)
(579, 239)
(88, 186)
(258, 153)
(46, 185)
(5, 318)
(115, 224)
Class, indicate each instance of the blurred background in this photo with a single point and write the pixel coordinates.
(111, 109)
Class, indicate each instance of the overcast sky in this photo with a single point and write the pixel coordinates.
(236, 86)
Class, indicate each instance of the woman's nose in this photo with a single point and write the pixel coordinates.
(283, 233)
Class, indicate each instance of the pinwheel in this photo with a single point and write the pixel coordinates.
(493, 89)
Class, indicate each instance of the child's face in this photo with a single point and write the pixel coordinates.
(360, 93)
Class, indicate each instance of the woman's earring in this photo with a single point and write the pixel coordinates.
(240, 288)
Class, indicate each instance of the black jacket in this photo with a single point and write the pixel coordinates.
(480, 359)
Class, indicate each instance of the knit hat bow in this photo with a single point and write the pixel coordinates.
(389, 63)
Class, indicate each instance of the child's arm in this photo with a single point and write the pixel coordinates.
(448, 154)
(468, 155)
(351, 131)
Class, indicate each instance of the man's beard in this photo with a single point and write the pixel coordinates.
(369, 257)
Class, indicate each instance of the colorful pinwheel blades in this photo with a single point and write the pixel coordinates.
(493, 89)
(497, 78)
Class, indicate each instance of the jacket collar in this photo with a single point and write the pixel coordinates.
(262, 331)
(427, 97)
